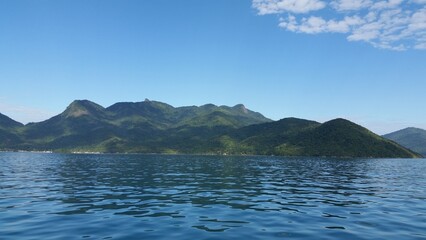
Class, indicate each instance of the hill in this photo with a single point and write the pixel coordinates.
(8, 132)
(156, 127)
(298, 137)
(7, 123)
(412, 138)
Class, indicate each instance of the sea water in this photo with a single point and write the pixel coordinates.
(60, 196)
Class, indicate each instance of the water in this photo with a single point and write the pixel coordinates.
(58, 196)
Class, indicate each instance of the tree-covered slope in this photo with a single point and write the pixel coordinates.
(8, 123)
(412, 138)
(164, 116)
(147, 126)
(298, 137)
(83, 123)
(155, 127)
(9, 140)
(9, 137)
(341, 137)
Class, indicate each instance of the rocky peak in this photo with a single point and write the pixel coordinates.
(241, 107)
(80, 108)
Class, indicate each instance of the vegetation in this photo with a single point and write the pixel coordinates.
(412, 138)
(155, 127)
(298, 137)
(8, 132)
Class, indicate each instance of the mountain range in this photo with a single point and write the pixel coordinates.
(156, 127)
(412, 138)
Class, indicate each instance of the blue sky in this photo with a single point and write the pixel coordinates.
(358, 59)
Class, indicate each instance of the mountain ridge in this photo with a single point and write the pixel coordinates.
(156, 127)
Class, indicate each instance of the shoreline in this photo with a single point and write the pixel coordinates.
(197, 154)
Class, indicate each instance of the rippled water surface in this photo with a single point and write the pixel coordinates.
(58, 196)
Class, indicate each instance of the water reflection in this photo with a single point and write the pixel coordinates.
(161, 186)
(143, 183)
(256, 197)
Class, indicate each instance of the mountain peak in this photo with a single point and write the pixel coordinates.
(208, 105)
(340, 120)
(241, 107)
(413, 129)
(83, 102)
(80, 108)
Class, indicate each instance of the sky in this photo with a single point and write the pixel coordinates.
(361, 60)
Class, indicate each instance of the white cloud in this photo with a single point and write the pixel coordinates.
(421, 46)
(366, 32)
(290, 23)
(387, 4)
(280, 6)
(418, 21)
(386, 24)
(315, 24)
(350, 5)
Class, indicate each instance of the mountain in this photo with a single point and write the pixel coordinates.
(156, 127)
(412, 138)
(8, 132)
(7, 123)
(147, 126)
(82, 123)
(298, 137)
(165, 116)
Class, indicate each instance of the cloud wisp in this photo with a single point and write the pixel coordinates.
(387, 24)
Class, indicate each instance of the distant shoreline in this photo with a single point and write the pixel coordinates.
(197, 154)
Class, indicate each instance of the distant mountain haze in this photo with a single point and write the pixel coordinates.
(412, 138)
(156, 127)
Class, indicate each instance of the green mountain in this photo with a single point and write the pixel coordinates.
(7, 123)
(155, 127)
(147, 126)
(298, 137)
(8, 132)
(82, 124)
(165, 116)
(412, 138)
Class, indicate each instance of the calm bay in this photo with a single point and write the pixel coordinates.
(119, 196)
